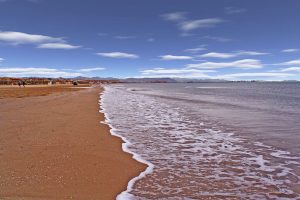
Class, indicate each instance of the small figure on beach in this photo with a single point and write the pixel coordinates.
(23, 83)
(19, 83)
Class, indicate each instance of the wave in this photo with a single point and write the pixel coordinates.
(193, 157)
(125, 195)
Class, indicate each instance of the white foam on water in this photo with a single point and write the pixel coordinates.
(125, 195)
(283, 154)
(192, 158)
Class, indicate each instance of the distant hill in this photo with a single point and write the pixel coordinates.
(139, 80)
(148, 80)
(93, 78)
(188, 80)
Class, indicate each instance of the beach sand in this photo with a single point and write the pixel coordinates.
(35, 90)
(54, 147)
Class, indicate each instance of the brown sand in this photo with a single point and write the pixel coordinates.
(35, 90)
(53, 147)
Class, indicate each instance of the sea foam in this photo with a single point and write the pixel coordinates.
(125, 195)
(189, 157)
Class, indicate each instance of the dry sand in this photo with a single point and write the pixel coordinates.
(35, 90)
(54, 147)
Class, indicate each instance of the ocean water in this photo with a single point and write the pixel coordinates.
(209, 140)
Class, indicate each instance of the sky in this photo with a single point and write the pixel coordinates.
(202, 39)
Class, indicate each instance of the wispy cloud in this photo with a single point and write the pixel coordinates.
(16, 38)
(293, 66)
(91, 69)
(195, 50)
(172, 57)
(36, 72)
(176, 73)
(291, 63)
(291, 69)
(199, 23)
(234, 10)
(124, 37)
(41, 41)
(250, 53)
(216, 38)
(175, 16)
(232, 55)
(1, 60)
(289, 50)
(241, 64)
(118, 55)
(217, 55)
(57, 46)
(187, 25)
(211, 74)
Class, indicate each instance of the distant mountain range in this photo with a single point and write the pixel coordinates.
(146, 80)
(151, 80)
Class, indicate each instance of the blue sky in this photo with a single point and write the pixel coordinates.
(228, 39)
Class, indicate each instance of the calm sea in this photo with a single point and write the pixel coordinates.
(209, 140)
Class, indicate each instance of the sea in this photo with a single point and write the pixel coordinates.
(229, 141)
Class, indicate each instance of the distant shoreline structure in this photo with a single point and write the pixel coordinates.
(110, 80)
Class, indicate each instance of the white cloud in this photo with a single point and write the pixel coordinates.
(118, 55)
(176, 73)
(291, 63)
(232, 55)
(42, 41)
(124, 37)
(57, 46)
(217, 55)
(36, 72)
(293, 66)
(241, 64)
(204, 74)
(200, 23)
(289, 50)
(234, 10)
(187, 25)
(1, 60)
(172, 57)
(195, 50)
(250, 53)
(25, 38)
(296, 69)
(91, 69)
(175, 16)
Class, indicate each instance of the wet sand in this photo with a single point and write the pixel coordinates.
(54, 147)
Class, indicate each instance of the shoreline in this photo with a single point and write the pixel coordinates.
(54, 146)
(125, 194)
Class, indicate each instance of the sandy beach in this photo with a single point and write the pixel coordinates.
(53, 146)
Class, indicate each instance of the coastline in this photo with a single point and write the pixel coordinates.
(124, 195)
(54, 147)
